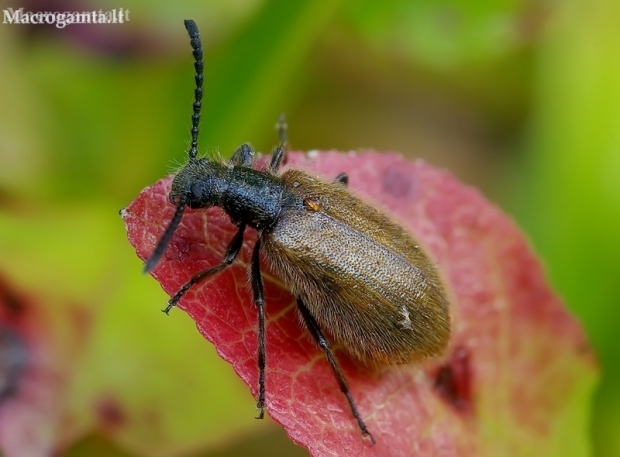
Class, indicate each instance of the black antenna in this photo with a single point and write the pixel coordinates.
(194, 35)
(167, 236)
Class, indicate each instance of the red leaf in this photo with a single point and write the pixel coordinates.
(515, 360)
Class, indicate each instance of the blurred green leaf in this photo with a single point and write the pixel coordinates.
(441, 33)
(574, 210)
(250, 79)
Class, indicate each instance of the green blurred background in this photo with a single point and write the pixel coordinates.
(518, 98)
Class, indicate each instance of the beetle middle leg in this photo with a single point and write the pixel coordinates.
(259, 300)
(317, 335)
(231, 253)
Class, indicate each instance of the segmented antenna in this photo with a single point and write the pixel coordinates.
(194, 35)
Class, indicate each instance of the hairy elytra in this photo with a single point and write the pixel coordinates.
(356, 275)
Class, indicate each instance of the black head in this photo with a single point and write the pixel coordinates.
(201, 183)
(181, 187)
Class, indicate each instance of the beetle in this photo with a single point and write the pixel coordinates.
(354, 273)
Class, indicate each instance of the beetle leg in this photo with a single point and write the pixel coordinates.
(243, 156)
(259, 300)
(231, 253)
(279, 154)
(317, 335)
(343, 179)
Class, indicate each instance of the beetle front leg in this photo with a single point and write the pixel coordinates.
(231, 254)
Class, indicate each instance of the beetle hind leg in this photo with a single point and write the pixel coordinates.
(317, 336)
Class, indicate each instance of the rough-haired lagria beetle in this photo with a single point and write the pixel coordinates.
(355, 274)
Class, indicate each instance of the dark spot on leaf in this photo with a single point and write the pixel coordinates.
(453, 381)
(396, 182)
(110, 413)
(13, 361)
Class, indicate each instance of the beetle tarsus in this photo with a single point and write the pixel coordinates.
(261, 407)
(169, 306)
